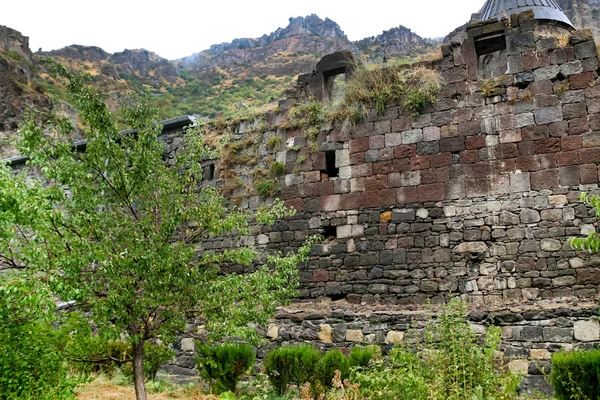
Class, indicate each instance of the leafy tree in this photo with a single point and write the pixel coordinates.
(119, 231)
(590, 243)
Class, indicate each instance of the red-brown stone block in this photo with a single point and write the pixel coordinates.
(571, 143)
(297, 204)
(581, 81)
(578, 126)
(452, 144)
(402, 124)
(547, 146)
(506, 166)
(441, 160)
(376, 183)
(528, 163)
(357, 158)
(431, 192)
(359, 145)
(475, 142)
(469, 156)
(482, 170)
(407, 195)
(320, 275)
(588, 174)
(545, 179)
(420, 162)
(383, 167)
(547, 160)
(405, 151)
(535, 132)
(567, 158)
(508, 150)
(527, 148)
(590, 155)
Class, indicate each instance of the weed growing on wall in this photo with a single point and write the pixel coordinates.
(413, 88)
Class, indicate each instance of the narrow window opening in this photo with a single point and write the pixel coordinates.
(329, 232)
(492, 60)
(209, 172)
(330, 169)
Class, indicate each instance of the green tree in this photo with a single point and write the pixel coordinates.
(119, 231)
(590, 243)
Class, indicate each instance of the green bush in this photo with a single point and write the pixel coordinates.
(451, 363)
(291, 365)
(333, 360)
(277, 169)
(223, 365)
(31, 349)
(266, 188)
(360, 356)
(273, 142)
(576, 375)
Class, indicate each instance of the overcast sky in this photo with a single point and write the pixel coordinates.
(178, 28)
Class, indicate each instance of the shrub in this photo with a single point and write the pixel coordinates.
(333, 360)
(31, 348)
(291, 364)
(266, 188)
(377, 87)
(273, 142)
(277, 169)
(225, 364)
(576, 375)
(360, 356)
(450, 363)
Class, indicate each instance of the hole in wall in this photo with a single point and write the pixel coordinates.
(330, 170)
(329, 232)
(336, 297)
(209, 173)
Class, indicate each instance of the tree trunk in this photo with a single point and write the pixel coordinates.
(138, 370)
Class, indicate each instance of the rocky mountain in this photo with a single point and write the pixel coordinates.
(20, 86)
(396, 42)
(583, 13)
(247, 71)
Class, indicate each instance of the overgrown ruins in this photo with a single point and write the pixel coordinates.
(475, 197)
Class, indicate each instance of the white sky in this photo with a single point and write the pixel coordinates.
(178, 28)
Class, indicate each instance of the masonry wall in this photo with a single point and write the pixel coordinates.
(475, 197)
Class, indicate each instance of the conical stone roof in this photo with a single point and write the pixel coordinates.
(543, 10)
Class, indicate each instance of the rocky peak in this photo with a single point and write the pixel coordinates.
(310, 25)
(11, 40)
(395, 41)
(297, 27)
(78, 52)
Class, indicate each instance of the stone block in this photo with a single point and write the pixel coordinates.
(273, 332)
(571, 68)
(355, 336)
(581, 81)
(394, 337)
(585, 50)
(545, 179)
(412, 136)
(549, 72)
(326, 333)
(520, 182)
(586, 330)
(546, 115)
(431, 133)
(187, 344)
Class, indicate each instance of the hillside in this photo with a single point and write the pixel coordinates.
(20, 86)
(228, 77)
(224, 79)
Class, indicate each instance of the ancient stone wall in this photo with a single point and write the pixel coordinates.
(475, 197)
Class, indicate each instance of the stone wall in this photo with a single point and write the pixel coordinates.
(475, 197)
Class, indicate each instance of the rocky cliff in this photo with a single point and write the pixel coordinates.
(20, 87)
(583, 13)
(396, 42)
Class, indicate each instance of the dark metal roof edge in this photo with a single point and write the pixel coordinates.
(81, 144)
